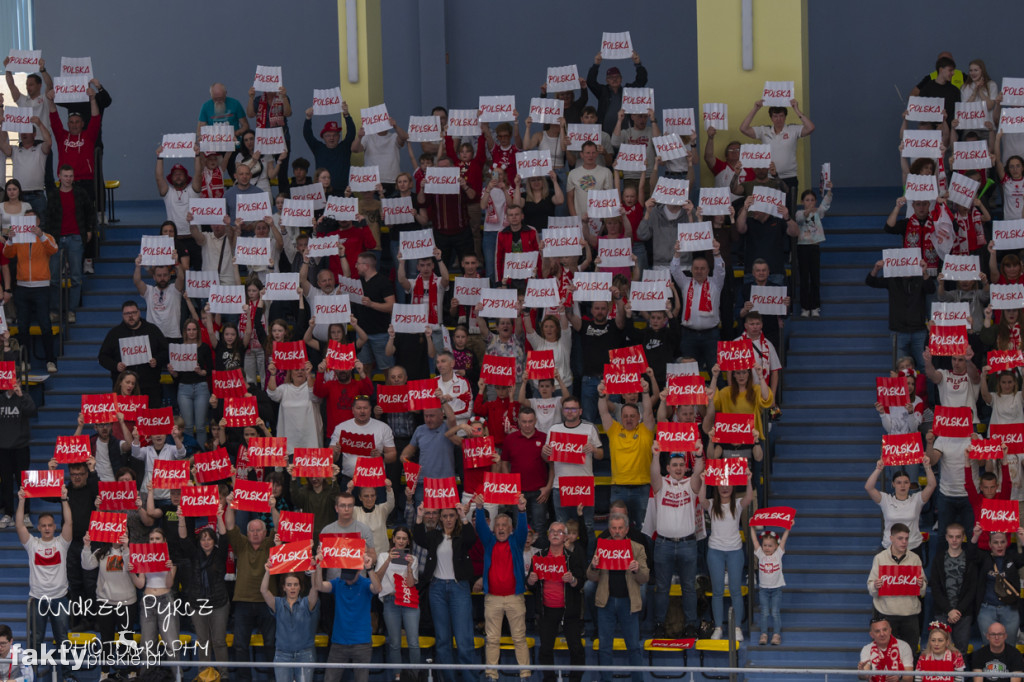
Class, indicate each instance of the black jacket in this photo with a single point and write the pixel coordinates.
(908, 309)
(965, 598)
(85, 213)
(1014, 562)
(605, 96)
(15, 413)
(461, 544)
(576, 562)
(110, 353)
(195, 566)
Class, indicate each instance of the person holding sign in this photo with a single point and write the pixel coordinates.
(296, 619)
(618, 597)
(221, 109)
(133, 327)
(517, 237)
(14, 203)
(907, 309)
(427, 288)
(959, 386)
(399, 561)
(901, 506)
(333, 154)
(586, 177)
(351, 634)
(32, 293)
(381, 150)
(158, 449)
(769, 549)
(163, 301)
(156, 615)
(746, 393)
(701, 295)
(298, 418)
(609, 94)
(271, 110)
(997, 601)
(1011, 176)
(630, 443)
(114, 587)
(203, 565)
(782, 138)
(725, 551)
(896, 606)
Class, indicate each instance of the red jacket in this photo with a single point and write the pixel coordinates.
(501, 416)
(975, 498)
(473, 171)
(339, 397)
(78, 151)
(529, 242)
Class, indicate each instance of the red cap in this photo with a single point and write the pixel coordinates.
(614, 71)
(330, 127)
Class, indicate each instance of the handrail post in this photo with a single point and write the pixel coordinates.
(733, 653)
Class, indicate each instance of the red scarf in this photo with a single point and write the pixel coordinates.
(564, 280)
(920, 236)
(887, 659)
(417, 297)
(1015, 337)
(213, 184)
(969, 233)
(705, 299)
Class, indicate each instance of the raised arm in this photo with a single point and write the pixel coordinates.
(745, 127)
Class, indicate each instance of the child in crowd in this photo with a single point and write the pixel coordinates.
(769, 549)
(808, 250)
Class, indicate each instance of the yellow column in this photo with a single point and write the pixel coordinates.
(780, 54)
(368, 90)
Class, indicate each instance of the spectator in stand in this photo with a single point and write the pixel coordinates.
(699, 330)
(298, 418)
(32, 292)
(374, 313)
(765, 236)
(660, 223)
(296, 619)
(218, 246)
(554, 336)
(640, 130)
(997, 601)
(918, 230)
(244, 185)
(76, 145)
(71, 221)
(782, 138)
(572, 422)
(381, 150)
(352, 633)
(725, 552)
(771, 325)
(618, 599)
(452, 390)
(158, 448)
(630, 442)
(954, 580)
(766, 358)
(885, 652)
(252, 552)
(29, 166)
(16, 412)
(449, 215)
(47, 574)
(605, 151)
(157, 617)
(340, 394)
(952, 504)
(560, 605)
(990, 487)
(333, 153)
(907, 309)
(598, 335)
(944, 82)
(17, 672)
(725, 170)
(399, 561)
(609, 95)
(901, 612)
(81, 497)
(1011, 176)
(177, 189)
(521, 454)
(109, 452)
(585, 177)
(808, 250)
(149, 373)
(192, 387)
(34, 98)
(163, 301)
(436, 454)
(362, 424)
(507, 342)
(222, 110)
(517, 237)
(203, 565)
(315, 497)
(901, 506)
(346, 524)
(997, 656)
(271, 110)
(427, 289)
(959, 386)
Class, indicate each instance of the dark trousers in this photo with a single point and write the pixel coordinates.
(251, 616)
(809, 259)
(701, 345)
(12, 462)
(81, 583)
(454, 245)
(32, 305)
(548, 626)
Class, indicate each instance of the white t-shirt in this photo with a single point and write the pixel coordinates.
(383, 437)
(676, 508)
(725, 531)
(462, 396)
(176, 205)
(163, 308)
(387, 583)
(104, 469)
(954, 459)
(769, 568)
(1013, 197)
(1007, 409)
(957, 390)
(382, 152)
(562, 351)
(585, 469)
(549, 412)
(212, 248)
(582, 180)
(29, 167)
(907, 512)
(783, 146)
(47, 570)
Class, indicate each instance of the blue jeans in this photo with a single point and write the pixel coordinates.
(635, 497)
(616, 612)
(72, 245)
(640, 251)
(1007, 615)
(56, 611)
(285, 674)
(771, 606)
(489, 244)
(537, 513)
(32, 305)
(373, 352)
(563, 514)
(681, 558)
(912, 344)
(588, 394)
(194, 404)
(952, 510)
(451, 606)
(700, 345)
(718, 563)
(395, 618)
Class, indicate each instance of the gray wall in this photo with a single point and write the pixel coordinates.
(158, 61)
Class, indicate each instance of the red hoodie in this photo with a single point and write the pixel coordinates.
(78, 151)
(975, 497)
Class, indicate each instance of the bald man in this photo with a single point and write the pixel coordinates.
(221, 109)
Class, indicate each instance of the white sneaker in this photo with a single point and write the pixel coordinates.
(87, 267)
(816, 312)
(717, 633)
(51, 367)
(739, 635)
(71, 317)
(28, 523)
(805, 313)
(6, 521)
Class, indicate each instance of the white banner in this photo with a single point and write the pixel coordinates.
(253, 251)
(208, 211)
(343, 209)
(270, 140)
(1013, 92)
(441, 181)
(297, 213)
(716, 115)
(768, 200)
(184, 356)
(363, 178)
(319, 247)
(778, 94)
(375, 119)
(19, 120)
(562, 241)
(314, 192)
(76, 67)
(615, 253)
(925, 109)
(555, 222)
(520, 265)
(578, 133)
(971, 115)
(681, 369)
(409, 318)
(535, 163)
(254, 206)
(826, 175)
(695, 236)
(463, 123)
(678, 121)
(544, 110)
(267, 79)
(1006, 296)
(21, 228)
(416, 244)
(901, 262)
(952, 313)
(671, 192)
(424, 128)
(467, 290)
(542, 293)
(616, 45)
(397, 211)
(962, 189)
(326, 102)
(334, 309)
(715, 201)
(649, 296)
(632, 157)
(1011, 120)
(971, 156)
(67, 90)
(756, 155)
(157, 250)
(660, 274)
(603, 203)
(198, 283)
(563, 79)
(229, 300)
(498, 303)
(961, 268)
(175, 145)
(497, 108)
(592, 286)
(1008, 234)
(351, 286)
(669, 147)
(768, 300)
(921, 188)
(281, 286)
(135, 350)
(922, 144)
(637, 100)
(217, 138)
(23, 61)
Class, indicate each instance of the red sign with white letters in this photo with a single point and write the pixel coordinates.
(155, 422)
(735, 429)
(170, 474)
(686, 390)
(540, 364)
(899, 581)
(631, 358)
(568, 447)
(440, 493)
(45, 483)
(291, 557)
(228, 383)
(1011, 435)
(576, 490)
(901, 449)
(985, 448)
(369, 472)
(342, 552)
(253, 496)
(394, 399)
(947, 340)
(268, 452)
(99, 409)
(107, 527)
(999, 516)
(781, 517)
(953, 422)
(614, 555)
(678, 437)
(8, 376)
(200, 500)
(239, 412)
(478, 453)
(501, 488)
(733, 355)
(892, 391)
(148, 557)
(341, 356)
(550, 567)
(289, 355)
(118, 495)
(212, 466)
(731, 471)
(412, 474)
(313, 463)
(1002, 360)
(130, 405)
(423, 395)
(72, 449)
(498, 371)
(295, 526)
(618, 381)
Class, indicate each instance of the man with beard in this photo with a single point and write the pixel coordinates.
(600, 334)
(163, 301)
(222, 110)
(177, 189)
(133, 325)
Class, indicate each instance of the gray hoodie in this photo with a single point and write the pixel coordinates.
(664, 230)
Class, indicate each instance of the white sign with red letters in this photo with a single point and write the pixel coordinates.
(578, 133)
(768, 300)
(562, 241)
(1011, 120)
(616, 45)
(19, 120)
(229, 300)
(217, 138)
(961, 268)
(499, 303)
(756, 155)
(921, 188)
(962, 190)
(424, 128)
(716, 115)
(971, 156)
(416, 244)
(252, 206)
(76, 67)
(1013, 92)
(326, 102)
(268, 79)
(970, 115)
(901, 262)
(632, 157)
(363, 178)
(174, 145)
(270, 140)
(715, 201)
(562, 79)
(695, 236)
(375, 119)
(441, 181)
(409, 318)
(637, 100)
(135, 350)
(925, 109)
(678, 121)
(615, 253)
(342, 209)
(332, 309)
(535, 163)
(778, 94)
(922, 144)
(281, 286)
(1008, 234)
(463, 123)
(70, 89)
(648, 296)
(23, 61)
(592, 286)
(669, 146)
(602, 203)
(497, 108)
(671, 192)
(157, 250)
(297, 213)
